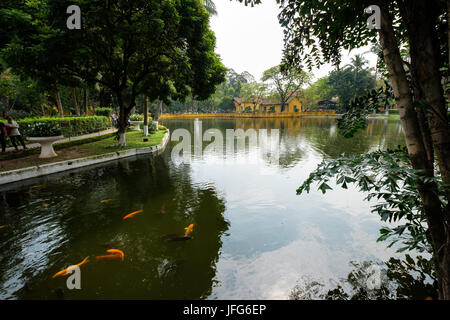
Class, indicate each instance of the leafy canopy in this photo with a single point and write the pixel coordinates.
(160, 49)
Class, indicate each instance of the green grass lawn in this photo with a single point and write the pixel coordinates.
(135, 139)
(383, 116)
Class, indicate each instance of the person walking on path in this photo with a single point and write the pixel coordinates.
(13, 133)
(3, 136)
(114, 119)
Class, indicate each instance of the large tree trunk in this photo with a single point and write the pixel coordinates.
(447, 84)
(421, 20)
(123, 120)
(102, 98)
(86, 102)
(59, 104)
(425, 60)
(75, 103)
(158, 110)
(415, 144)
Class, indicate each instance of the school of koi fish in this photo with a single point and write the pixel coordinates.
(115, 254)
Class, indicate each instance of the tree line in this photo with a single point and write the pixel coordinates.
(162, 51)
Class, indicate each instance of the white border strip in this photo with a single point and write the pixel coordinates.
(55, 167)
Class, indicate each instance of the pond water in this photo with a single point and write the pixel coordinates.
(253, 237)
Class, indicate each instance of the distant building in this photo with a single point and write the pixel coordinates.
(268, 105)
(328, 104)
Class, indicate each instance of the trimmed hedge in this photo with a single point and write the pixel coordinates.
(70, 127)
(106, 112)
(393, 111)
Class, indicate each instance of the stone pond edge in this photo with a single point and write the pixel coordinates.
(56, 167)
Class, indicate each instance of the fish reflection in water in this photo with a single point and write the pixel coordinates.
(163, 209)
(167, 267)
(175, 237)
(59, 293)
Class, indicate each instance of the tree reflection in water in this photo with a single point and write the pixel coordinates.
(400, 279)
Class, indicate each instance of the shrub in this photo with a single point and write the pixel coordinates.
(44, 129)
(106, 112)
(70, 127)
(56, 146)
(152, 127)
(393, 111)
(136, 117)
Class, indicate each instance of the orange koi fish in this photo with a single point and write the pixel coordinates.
(67, 270)
(3, 226)
(106, 200)
(115, 254)
(108, 256)
(131, 214)
(189, 229)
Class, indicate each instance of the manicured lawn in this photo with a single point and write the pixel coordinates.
(383, 116)
(135, 139)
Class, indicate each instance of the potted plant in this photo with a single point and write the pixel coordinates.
(136, 120)
(45, 133)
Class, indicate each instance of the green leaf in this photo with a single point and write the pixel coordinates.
(324, 187)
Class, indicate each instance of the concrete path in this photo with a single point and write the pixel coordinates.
(37, 145)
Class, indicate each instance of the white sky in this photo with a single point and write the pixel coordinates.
(251, 39)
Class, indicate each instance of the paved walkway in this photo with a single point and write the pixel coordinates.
(37, 145)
